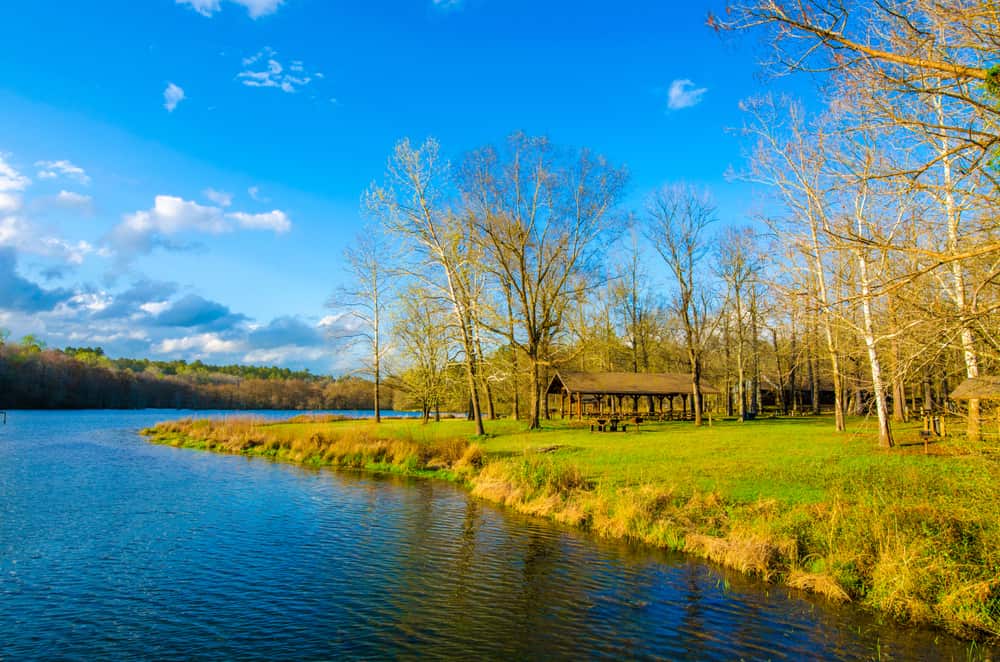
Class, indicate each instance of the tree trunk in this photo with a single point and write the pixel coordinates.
(470, 373)
(727, 350)
(534, 421)
(780, 400)
(884, 430)
(378, 382)
(898, 387)
(696, 390)
(793, 381)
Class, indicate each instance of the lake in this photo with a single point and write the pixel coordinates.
(114, 548)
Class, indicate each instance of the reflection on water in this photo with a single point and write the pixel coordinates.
(114, 548)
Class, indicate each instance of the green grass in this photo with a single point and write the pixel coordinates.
(912, 534)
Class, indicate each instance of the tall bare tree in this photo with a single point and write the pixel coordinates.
(423, 332)
(678, 220)
(541, 214)
(366, 298)
(413, 202)
(924, 68)
(739, 267)
(787, 157)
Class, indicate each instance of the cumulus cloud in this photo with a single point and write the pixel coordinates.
(21, 295)
(254, 193)
(61, 168)
(17, 232)
(143, 298)
(220, 198)
(10, 179)
(255, 8)
(142, 231)
(275, 220)
(199, 346)
(171, 215)
(264, 70)
(683, 94)
(172, 95)
(195, 311)
(9, 203)
(285, 332)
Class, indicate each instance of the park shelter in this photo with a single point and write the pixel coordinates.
(985, 388)
(978, 388)
(621, 393)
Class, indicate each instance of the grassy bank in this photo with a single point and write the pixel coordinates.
(788, 500)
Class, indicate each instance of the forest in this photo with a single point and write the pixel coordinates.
(867, 271)
(35, 377)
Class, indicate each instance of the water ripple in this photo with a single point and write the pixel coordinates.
(111, 548)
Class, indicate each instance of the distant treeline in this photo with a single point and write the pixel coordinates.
(33, 377)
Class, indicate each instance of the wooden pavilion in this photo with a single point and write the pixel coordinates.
(985, 388)
(978, 388)
(622, 393)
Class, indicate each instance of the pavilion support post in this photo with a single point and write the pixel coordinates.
(579, 406)
(620, 411)
(635, 404)
(684, 406)
(562, 403)
(671, 399)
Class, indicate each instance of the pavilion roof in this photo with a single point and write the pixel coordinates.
(986, 387)
(625, 383)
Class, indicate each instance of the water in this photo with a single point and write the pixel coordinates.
(114, 548)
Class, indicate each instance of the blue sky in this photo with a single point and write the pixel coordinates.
(178, 179)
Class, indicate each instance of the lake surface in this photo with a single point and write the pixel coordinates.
(113, 548)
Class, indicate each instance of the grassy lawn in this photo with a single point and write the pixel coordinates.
(912, 534)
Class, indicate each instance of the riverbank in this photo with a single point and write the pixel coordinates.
(788, 500)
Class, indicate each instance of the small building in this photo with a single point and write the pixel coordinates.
(985, 388)
(621, 393)
(978, 388)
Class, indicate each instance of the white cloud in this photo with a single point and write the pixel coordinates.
(172, 96)
(155, 307)
(11, 179)
(447, 5)
(683, 94)
(171, 215)
(255, 8)
(254, 193)
(201, 344)
(16, 232)
(61, 168)
(220, 198)
(264, 70)
(275, 220)
(9, 203)
(73, 200)
(143, 230)
(284, 355)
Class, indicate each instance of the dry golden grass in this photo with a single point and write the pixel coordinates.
(818, 582)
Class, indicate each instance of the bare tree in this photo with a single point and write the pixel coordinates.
(413, 202)
(739, 267)
(366, 298)
(924, 70)
(422, 331)
(678, 219)
(792, 160)
(540, 215)
(635, 302)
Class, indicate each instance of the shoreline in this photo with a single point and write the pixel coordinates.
(857, 548)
